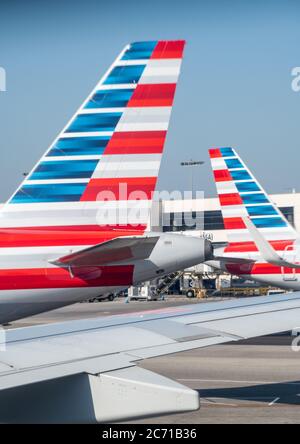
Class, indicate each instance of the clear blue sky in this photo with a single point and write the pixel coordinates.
(235, 86)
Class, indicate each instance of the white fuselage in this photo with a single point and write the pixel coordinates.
(261, 271)
(30, 284)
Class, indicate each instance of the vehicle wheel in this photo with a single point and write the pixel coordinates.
(111, 297)
(190, 294)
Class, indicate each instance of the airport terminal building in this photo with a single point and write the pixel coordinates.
(204, 215)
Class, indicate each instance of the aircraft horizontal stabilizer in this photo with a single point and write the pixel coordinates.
(265, 248)
(116, 250)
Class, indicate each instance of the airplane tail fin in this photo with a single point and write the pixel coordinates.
(241, 196)
(103, 166)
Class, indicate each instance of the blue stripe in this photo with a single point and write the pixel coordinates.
(125, 74)
(139, 50)
(233, 163)
(227, 152)
(94, 122)
(240, 175)
(79, 146)
(249, 199)
(110, 98)
(65, 169)
(263, 210)
(271, 222)
(49, 193)
(247, 186)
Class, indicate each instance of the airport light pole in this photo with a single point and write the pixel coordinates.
(192, 164)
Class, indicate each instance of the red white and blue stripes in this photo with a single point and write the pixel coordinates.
(110, 150)
(102, 166)
(242, 196)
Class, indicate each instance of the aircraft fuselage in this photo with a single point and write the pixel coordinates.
(31, 284)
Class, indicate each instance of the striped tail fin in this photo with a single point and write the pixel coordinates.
(242, 196)
(110, 151)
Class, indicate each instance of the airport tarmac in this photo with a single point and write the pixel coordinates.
(256, 381)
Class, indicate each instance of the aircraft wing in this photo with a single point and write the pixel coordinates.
(86, 371)
(116, 250)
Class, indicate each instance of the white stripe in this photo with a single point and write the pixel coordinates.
(260, 205)
(101, 110)
(64, 206)
(267, 216)
(144, 114)
(114, 166)
(143, 119)
(55, 181)
(43, 251)
(269, 234)
(36, 219)
(156, 79)
(253, 192)
(123, 127)
(226, 187)
(245, 255)
(81, 157)
(161, 71)
(132, 62)
(232, 157)
(218, 163)
(245, 181)
(84, 213)
(86, 134)
(118, 86)
(128, 165)
(234, 211)
(130, 169)
(35, 257)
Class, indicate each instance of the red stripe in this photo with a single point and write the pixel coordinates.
(62, 236)
(230, 199)
(131, 188)
(136, 142)
(168, 50)
(37, 278)
(222, 176)
(258, 269)
(234, 223)
(250, 247)
(214, 153)
(153, 95)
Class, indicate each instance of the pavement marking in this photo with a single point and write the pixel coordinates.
(274, 402)
(209, 401)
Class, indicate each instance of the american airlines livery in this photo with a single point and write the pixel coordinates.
(264, 243)
(77, 227)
